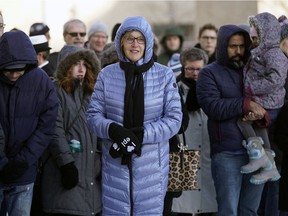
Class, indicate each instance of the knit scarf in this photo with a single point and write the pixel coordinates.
(191, 99)
(134, 93)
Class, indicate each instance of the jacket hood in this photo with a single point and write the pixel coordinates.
(173, 31)
(140, 24)
(224, 34)
(72, 58)
(66, 50)
(16, 49)
(268, 29)
(109, 55)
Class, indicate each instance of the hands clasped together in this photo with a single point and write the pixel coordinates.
(257, 112)
(127, 141)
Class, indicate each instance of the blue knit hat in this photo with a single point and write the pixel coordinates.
(175, 64)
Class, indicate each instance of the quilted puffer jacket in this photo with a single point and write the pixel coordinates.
(148, 178)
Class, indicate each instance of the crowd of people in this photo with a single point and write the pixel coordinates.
(88, 130)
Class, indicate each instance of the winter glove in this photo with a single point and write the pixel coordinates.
(115, 151)
(13, 170)
(69, 175)
(126, 140)
(139, 132)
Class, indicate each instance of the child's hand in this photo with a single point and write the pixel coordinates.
(250, 117)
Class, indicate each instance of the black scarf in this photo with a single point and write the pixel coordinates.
(191, 99)
(134, 93)
(134, 97)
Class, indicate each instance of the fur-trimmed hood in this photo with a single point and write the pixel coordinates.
(87, 55)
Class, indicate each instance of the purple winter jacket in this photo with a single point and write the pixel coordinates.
(266, 70)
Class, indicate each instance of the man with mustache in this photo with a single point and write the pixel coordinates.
(220, 94)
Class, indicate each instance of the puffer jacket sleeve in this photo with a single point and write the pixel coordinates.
(170, 122)
(96, 120)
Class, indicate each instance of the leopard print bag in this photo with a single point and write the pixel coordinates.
(183, 167)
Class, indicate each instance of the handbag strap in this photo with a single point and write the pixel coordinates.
(183, 145)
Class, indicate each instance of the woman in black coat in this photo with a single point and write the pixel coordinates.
(281, 140)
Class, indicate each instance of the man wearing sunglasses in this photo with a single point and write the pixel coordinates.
(74, 32)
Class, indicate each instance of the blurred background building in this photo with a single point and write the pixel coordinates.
(189, 14)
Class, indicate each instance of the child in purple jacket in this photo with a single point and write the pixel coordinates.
(264, 78)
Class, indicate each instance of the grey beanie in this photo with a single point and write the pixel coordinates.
(66, 50)
(98, 27)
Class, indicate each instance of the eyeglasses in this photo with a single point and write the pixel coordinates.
(98, 37)
(207, 38)
(140, 40)
(75, 34)
(191, 69)
(2, 25)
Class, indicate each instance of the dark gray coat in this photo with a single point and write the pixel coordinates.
(85, 198)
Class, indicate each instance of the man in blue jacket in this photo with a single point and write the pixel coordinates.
(219, 92)
(28, 110)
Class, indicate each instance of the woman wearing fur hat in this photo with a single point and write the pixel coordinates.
(71, 183)
(135, 108)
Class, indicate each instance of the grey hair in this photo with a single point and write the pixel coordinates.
(193, 54)
(68, 23)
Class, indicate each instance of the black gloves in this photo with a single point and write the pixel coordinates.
(13, 170)
(139, 132)
(69, 175)
(126, 141)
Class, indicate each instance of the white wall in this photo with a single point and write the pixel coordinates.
(22, 13)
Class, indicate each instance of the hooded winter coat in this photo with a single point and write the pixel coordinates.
(166, 54)
(266, 70)
(28, 106)
(219, 92)
(85, 197)
(162, 119)
(3, 159)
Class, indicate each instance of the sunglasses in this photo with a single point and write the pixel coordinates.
(75, 34)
